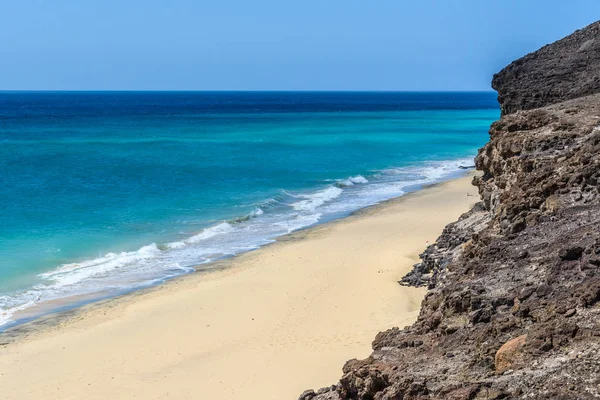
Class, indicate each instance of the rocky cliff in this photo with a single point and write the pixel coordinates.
(564, 70)
(513, 307)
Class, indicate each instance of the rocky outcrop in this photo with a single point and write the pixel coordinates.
(564, 70)
(513, 307)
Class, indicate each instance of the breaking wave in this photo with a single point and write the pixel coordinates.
(282, 214)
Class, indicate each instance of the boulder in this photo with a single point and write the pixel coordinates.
(510, 354)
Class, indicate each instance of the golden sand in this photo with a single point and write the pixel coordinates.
(276, 321)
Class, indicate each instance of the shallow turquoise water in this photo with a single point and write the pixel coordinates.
(109, 191)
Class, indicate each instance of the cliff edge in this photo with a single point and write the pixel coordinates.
(513, 307)
(564, 70)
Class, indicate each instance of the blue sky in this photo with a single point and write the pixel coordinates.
(274, 44)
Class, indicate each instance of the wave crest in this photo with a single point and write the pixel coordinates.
(353, 180)
(220, 229)
(312, 201)
(273, 217)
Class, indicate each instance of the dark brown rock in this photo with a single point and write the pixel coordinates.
(307, 395)
(564, 70)
(513, 307)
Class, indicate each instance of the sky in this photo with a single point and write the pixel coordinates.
(274, 44)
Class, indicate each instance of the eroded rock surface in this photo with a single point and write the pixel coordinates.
(513, 307)
(564, 70)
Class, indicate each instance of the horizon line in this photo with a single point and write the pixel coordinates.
(248, 91)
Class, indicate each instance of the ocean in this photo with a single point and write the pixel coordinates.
(105, 192)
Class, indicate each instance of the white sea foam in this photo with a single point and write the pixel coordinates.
(6, 315)
(314, 200)
(297, 221)
(70, 274)
(353, 180)
(430, 170)
(116, 272)
(221, 229)
(176, 245)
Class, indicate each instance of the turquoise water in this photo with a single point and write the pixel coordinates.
(108, 191)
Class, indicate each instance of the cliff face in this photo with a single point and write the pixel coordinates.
(513, 308)
(564, 70)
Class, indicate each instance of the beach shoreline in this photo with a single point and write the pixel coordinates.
(312, 293)
(48, 312)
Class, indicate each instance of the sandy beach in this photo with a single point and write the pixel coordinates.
(272, 323)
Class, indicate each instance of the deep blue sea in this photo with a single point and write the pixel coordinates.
(104, 192)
